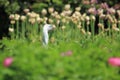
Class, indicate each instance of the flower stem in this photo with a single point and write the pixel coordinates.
(17, 29)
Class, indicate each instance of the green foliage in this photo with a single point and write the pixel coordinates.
(32, 61)
(37, 7)
(12, 8)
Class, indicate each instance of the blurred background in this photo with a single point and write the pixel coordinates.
(8, 7)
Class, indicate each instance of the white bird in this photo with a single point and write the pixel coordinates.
(46, 29)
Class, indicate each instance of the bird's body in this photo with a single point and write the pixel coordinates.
(46, 29)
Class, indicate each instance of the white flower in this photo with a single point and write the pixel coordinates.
(11, 30)
(23, 18)
(26, 10)
(17, 16)
(12, 16)
(44, 11)
(67, 7)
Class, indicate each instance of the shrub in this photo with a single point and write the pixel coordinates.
(87, 61)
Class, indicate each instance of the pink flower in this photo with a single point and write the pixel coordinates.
(92, 10)
(69, 53)
(8, 61)
(111, 11)
(104, 5)
(86, 2)
(114, 61)
(93, 1)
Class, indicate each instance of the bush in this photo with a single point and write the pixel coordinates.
(66, 61)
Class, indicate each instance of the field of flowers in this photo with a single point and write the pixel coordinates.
(81, 46)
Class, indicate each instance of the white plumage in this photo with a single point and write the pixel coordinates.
(46, 29)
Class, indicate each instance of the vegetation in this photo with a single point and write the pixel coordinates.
(81, 44)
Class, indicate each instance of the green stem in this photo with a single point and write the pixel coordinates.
(12, 33)
(23, 30)
(92, 28)
(119, 26)
(17, 29)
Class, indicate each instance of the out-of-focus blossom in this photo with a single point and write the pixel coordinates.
(115, 20)
(58, 17)
(88, 23)
(62, 14)
(32, 20)
(17, 17)
(110, 18)
(82, 18)
(67, 7)
(63, 20)
(117, 6)
(118, 12)
(45, 19)
(33, 15)
(51, 10)
(79, 26)
(67, 13)
(104, 5)
(101, 26)
(58, 22)
(114, 27)
(84, 15)
(23, 18)
(93, 18)
(44, 11)
(111, 11)
(11, 29)
(77, 14)
(12, 16)
(38, 19)
(54, 26)
(8, 61)
(86, 2)
(12, 21)
(92, 10)
(114, 61)
(26, 10)
(93, 1)
(55, 12)
(87, 18)
(89, 33)
(118, 21)
(63, 27)
(69, 53)
(100, 11)
(78, 8)
(83, 31)
(102, 16)
(50, 21)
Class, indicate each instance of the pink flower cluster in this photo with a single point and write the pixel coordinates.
(104, 5)
(7, 61)
(93, 1)
(92, 10)
(114, 61)
(68, 53)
